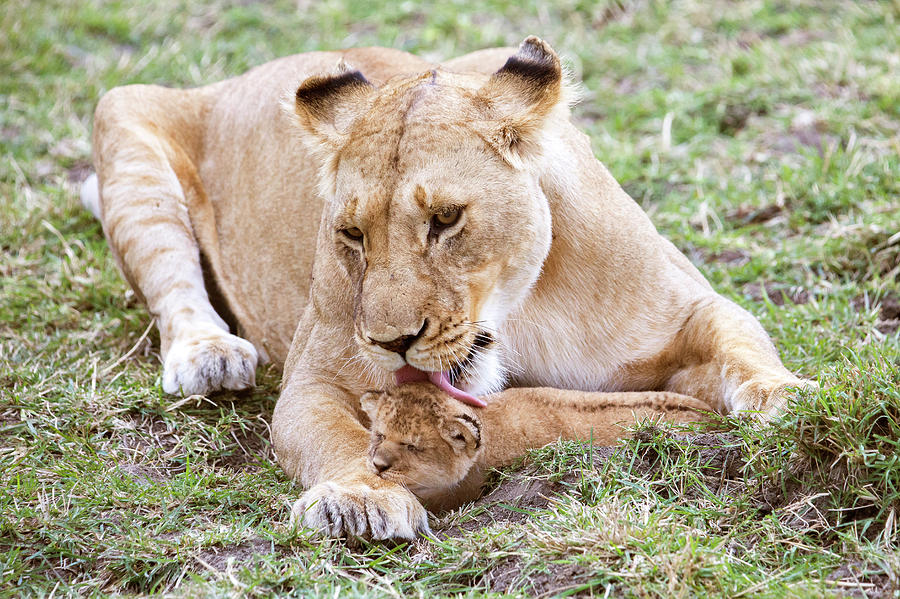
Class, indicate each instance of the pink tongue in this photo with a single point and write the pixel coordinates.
(408, 374)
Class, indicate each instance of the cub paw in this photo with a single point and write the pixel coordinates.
(358, 510)
(209, 360)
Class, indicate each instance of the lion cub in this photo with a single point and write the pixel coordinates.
(440, 448)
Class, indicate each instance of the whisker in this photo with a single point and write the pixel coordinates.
(542, 326)
(496, 336)
(347, 361)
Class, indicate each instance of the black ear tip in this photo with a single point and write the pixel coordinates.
(535, 62)
(536, 49)
(316, 88)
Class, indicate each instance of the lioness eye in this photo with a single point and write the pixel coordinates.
(442, 220)
(353, 233)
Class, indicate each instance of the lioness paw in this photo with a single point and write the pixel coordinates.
(357, 510)
(765, 399)
(209, 360)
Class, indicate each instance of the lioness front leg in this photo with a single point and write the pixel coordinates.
(143, 173)
(319, 440)
(730, 362)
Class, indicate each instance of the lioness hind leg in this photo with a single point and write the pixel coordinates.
(146, 221)
(732, 363)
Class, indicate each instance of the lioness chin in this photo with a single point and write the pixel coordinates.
(366, 218)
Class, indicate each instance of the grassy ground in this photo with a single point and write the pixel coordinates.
(761, 136)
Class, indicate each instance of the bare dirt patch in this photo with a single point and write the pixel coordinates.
(145, 433)
(512, 501)
(858, 579)
(728, 256)
(731, 257)
(890, 307)
(508, 576)
(221, 558)
(889, 316)
(143, 475)
(252, 448)
(888, 312)
(754, 215)
(778, 293)
(806, 130)
(736, 114)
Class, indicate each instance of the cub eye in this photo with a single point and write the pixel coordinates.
(411, 447)
(442, 220)
(353, 233)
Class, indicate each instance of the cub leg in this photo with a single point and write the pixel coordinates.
(139, 146)
(730, 362)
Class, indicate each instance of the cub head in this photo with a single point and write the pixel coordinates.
(434, 205)
(422, 438)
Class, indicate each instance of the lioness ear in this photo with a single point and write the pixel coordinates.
(463, 433)
(521, 96)
(326, 104)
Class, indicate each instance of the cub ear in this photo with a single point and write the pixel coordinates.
(522, 94)
(369, 403)
(326, 104)
(463, 433)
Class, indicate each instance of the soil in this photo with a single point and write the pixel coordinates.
(143, 475)
(888, 327)
(805, 131)
(855, 579)
(890, 307)
(888, 312)
(513, 501)
(218, 557)
(777, 293)
(505, 577)
(254, 448)
(752, 215)
(731, 257)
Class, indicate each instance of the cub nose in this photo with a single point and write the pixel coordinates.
(381, 463)
(401, 344)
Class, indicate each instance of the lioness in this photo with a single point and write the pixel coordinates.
(440, 449)
(419, 221)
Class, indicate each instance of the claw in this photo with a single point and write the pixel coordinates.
(357, 510)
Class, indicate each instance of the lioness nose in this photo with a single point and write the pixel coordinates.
(398, 345)
(401, 344)
(381, 463)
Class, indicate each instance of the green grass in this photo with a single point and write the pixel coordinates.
(763, 137)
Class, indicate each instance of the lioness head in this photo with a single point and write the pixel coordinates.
(434, 206)
(422, 438)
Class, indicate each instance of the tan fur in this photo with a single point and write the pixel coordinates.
(550, 260)
(440, 448)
